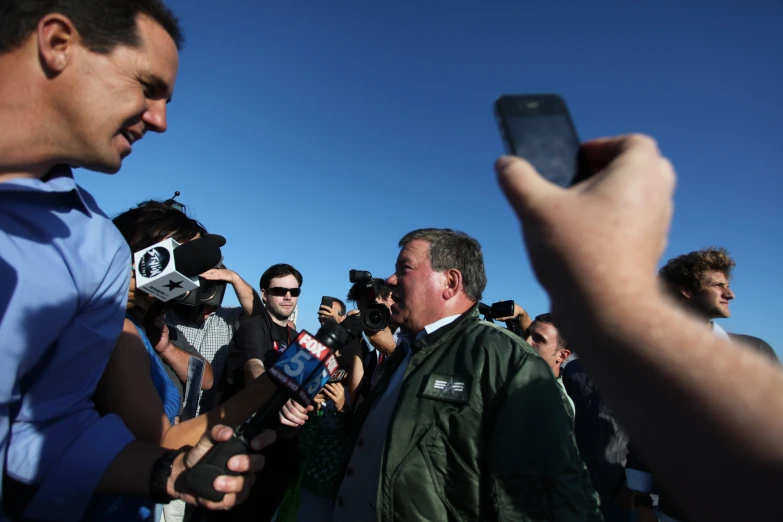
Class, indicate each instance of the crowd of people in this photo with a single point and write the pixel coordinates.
(626, 401)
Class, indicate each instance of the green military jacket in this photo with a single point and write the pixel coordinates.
(480, 432)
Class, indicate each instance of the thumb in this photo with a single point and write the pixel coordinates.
(525, 189)
(217, 434)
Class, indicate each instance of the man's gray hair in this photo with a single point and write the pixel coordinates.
(454, 249)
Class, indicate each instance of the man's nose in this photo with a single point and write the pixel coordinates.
(155, 116)
(728, 294)
(392, 280)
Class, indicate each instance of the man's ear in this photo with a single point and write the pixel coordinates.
(263, 296)
(564, 354)
(453, 280)
(687, 294)
(57, 39)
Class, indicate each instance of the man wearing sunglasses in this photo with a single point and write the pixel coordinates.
(257, 345)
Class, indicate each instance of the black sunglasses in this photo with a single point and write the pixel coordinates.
(279, 291)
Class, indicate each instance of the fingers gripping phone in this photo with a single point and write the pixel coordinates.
(538, 128)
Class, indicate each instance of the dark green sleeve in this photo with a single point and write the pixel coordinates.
(535, 469)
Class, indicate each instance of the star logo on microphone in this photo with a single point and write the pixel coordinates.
(172, 285)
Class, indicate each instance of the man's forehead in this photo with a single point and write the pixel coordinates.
(283, 279)
(714, 276)
(161, 54)
(544, 329)
(417, 249)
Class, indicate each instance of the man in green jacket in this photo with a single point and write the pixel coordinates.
(471, 425)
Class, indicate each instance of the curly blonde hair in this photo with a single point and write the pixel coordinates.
(686, 271)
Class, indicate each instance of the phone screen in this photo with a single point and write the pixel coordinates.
(539, 129)
(548, 142)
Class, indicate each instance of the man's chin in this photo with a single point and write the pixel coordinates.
(104, 167)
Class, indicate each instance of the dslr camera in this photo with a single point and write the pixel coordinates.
(376, 316)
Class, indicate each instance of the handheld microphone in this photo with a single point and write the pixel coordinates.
(168, 269)
(302, 371)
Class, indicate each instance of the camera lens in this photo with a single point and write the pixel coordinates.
(208, 290)
(374, 317)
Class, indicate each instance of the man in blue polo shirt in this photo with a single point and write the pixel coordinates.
(82, 81)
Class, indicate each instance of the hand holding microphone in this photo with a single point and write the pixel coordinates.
(300, 373)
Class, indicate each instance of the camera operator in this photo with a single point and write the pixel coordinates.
(209, 328)
(518, 322)
(384, 341)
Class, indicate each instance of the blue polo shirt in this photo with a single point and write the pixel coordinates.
(64, 276)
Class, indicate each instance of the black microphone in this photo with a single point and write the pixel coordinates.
(196, 257)
(301, 372)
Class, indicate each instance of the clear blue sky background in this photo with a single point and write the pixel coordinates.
(319, 133)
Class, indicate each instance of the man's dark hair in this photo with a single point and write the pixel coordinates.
(342, 305)
(151, 222)
(279, 270)
(453, 249)
(548, 318)
(102, 24)
(687, 270)
(356, 290)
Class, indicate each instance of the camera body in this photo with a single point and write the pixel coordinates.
(376, 316)
(209, 293)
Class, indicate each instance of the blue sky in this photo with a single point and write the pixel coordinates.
(319, 133)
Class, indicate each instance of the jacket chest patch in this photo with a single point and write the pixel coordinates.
(451, 388)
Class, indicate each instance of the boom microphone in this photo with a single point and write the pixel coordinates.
(196, 257)
(301, 372)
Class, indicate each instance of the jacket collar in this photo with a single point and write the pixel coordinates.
(443, 335)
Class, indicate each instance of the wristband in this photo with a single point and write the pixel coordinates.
(159, 478)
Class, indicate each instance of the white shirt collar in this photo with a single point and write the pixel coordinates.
(440, 323)
(720, 332)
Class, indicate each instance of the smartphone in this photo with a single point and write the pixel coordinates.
(502, 309)
(538, 128)
(327, 301)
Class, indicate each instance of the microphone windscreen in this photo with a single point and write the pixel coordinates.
(218, 239)
(196, 257)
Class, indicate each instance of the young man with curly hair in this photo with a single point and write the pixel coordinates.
(700, 282)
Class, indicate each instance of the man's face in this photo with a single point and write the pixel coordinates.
(113, 99)
(543, 337)
(417, 290)
(281, 304)
(338, 310)
(713, 296)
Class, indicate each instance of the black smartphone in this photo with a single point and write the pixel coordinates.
(327, 301)
(502, 309)
(538, 128)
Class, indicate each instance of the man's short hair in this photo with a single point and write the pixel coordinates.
(102, 24)
(342, 305)
(279, 270)
(356, 290)
(686, 271)
(453, 249)
(151, 222)
(548, 318)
